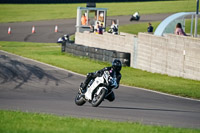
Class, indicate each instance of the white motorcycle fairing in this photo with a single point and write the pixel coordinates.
(97, 81)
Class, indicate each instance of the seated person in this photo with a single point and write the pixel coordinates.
(179, 30)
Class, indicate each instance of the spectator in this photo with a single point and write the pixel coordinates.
(96, 28)
(83, 20)
(150, 28)
(100, 31)
(91, 28)
(179, 30)
(113, 28)
(101, 18)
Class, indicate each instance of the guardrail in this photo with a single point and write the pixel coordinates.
(96, 53)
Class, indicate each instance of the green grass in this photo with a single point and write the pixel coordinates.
(154, 7)
(188, 24)
(136, 28)
(20, 122)
(142, 27)
(50, 53)
(34, 12)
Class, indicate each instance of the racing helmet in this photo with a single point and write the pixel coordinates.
(117, 65)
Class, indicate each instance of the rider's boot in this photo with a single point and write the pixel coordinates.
(86, 82)
(83, 87)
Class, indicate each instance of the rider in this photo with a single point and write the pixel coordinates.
(114, 72)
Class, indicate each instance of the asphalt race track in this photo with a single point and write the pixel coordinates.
(44, 30)
(36, 87)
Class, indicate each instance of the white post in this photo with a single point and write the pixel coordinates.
(191, 30)
(78, 19)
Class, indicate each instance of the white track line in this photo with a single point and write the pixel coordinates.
(85, 76)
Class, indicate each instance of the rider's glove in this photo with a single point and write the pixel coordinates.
(117, 87)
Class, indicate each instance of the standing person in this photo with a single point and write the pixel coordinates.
(100, 31)
(83, 20)
(101, 18)
(179, 30)
(150, 28)
(96, 28)
(113, 28)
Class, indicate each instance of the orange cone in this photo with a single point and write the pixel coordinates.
(33, 29)
(56, 28)
(9, 30)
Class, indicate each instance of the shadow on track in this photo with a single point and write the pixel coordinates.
(145, 109)
(20, 73)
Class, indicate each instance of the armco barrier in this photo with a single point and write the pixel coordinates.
(96, 53)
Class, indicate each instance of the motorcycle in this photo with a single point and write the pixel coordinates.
(97, 90)
(63, 38)
(135, 16)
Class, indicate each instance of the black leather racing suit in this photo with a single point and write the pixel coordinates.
(113, 73)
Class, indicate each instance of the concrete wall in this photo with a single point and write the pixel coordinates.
(122, 43)
(172, 55)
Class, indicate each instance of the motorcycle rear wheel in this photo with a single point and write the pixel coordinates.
(79, 100)
(97, 99)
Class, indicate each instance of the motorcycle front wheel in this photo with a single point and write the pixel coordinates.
(97, 99)
(79, 100)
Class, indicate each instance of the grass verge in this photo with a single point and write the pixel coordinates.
(142, 27)
(34, 12)
(51, 54)
(20, 122)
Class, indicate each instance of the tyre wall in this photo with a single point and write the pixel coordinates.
(96, 53)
